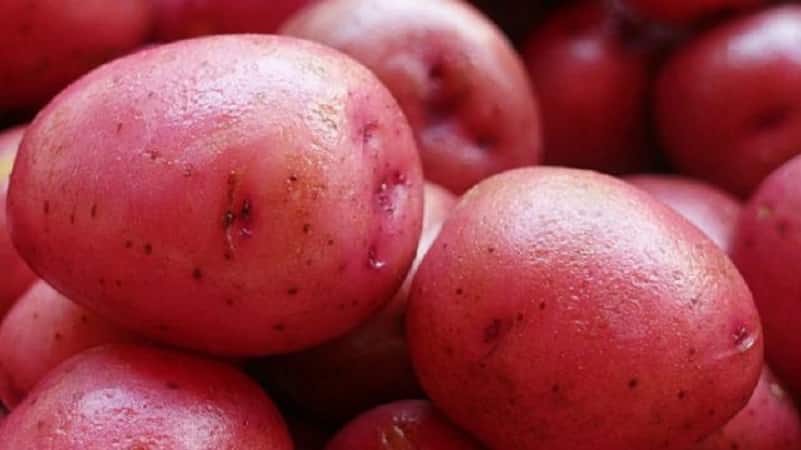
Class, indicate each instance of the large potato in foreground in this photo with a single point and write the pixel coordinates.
(134, 398)
(457, 78)
(565, 310)
(239, 195)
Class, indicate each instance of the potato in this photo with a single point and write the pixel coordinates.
(767, 250)
(770, 421)
(239, 195)
(131, 397)
(369, 365)
(17, 277)
(46, 44)
(563, 309)
(180, 19)
(410, 424)
(459, 81)
(43, 329)
(712, 210)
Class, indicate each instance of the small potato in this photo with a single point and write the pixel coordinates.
(369, 365)
(43, 329)
(239, 195)
(767, 250)
(712, 210)
(410, 424)
(130, 397)
(770, 421)
(180, 19)
(563, 309)
(16, 277)
(459, 81)
(46, 44)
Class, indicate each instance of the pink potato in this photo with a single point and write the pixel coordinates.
(130, 397)
(16, 275)
(239, 195)
(566, 310)
(461, 84)
(46, 44)
(593, 89)
(728, 104)
(770, 421)
(713, 211)
(767, 250)
(179, 19)
(43, 329)
(683, 12)
(369, 365)
(410, 424)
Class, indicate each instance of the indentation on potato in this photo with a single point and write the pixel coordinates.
(772, 118)
(396, 438)
(744, 340)
(373, 259)
(390, 191)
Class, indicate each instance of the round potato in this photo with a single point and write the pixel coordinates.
(567, 310)
(17, 277)
(712, 210)
(46, 44)
(767, 250)
(239, 195)
(42, 330)
(369, 365)
(457, 78)
(132, 397)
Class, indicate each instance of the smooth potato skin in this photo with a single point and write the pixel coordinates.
(240, 195)
(181, 19)
(770, 421)
(767, 250)
(368, 366)
(409, 424)
(712, 210)
(753, 62)
(458, 80)
(683, 12)
(132, 397)
(562, 309)
(40, 331)
(16, 275)
(46, 44)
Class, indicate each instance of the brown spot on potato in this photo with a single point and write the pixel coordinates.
(492, 331)
(783, 228)
(148, 249)
(118, 283)
(40, 425)
(119, 127)
(292, 178)
(93, 211)
(84, 318)
(57, 336)
(72, 219)
(279, 327)
(633, 383)
(197, 274)
(128, 244)
(46, 207)
(459, 291)
(171, 385)
(542, 306)
(306, 228)
(555, 388)
(490, 250)
(681, 395)
(292, 291)
(229, 302)
(102, 281)
(330, 242)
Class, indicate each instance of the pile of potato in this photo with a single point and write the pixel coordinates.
(400, 225)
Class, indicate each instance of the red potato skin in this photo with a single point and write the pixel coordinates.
(460, 83)
(258, 194)
(42, 330)
(17, 277)
(409, 424)
(45, 44)
(369, 365)
(181, 19)
(592, 84)
(552, 294)
(135, 397)
(770, 421)
(712, 210)
(754, 63)
(767, 250)
(683, 12)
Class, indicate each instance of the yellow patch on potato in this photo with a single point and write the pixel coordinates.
(6, 164)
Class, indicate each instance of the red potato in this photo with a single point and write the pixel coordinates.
(180, 19)
(770, 421)
(566, 310)
(410, 424)
(683, 12)
(767, 250)
(593, 90)
(46, 44)
(239, 195)
(728, 104)
(368, 366)
(17, 277)
(129, 397)
(462, 86)
(713, 211)
(42, 330)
